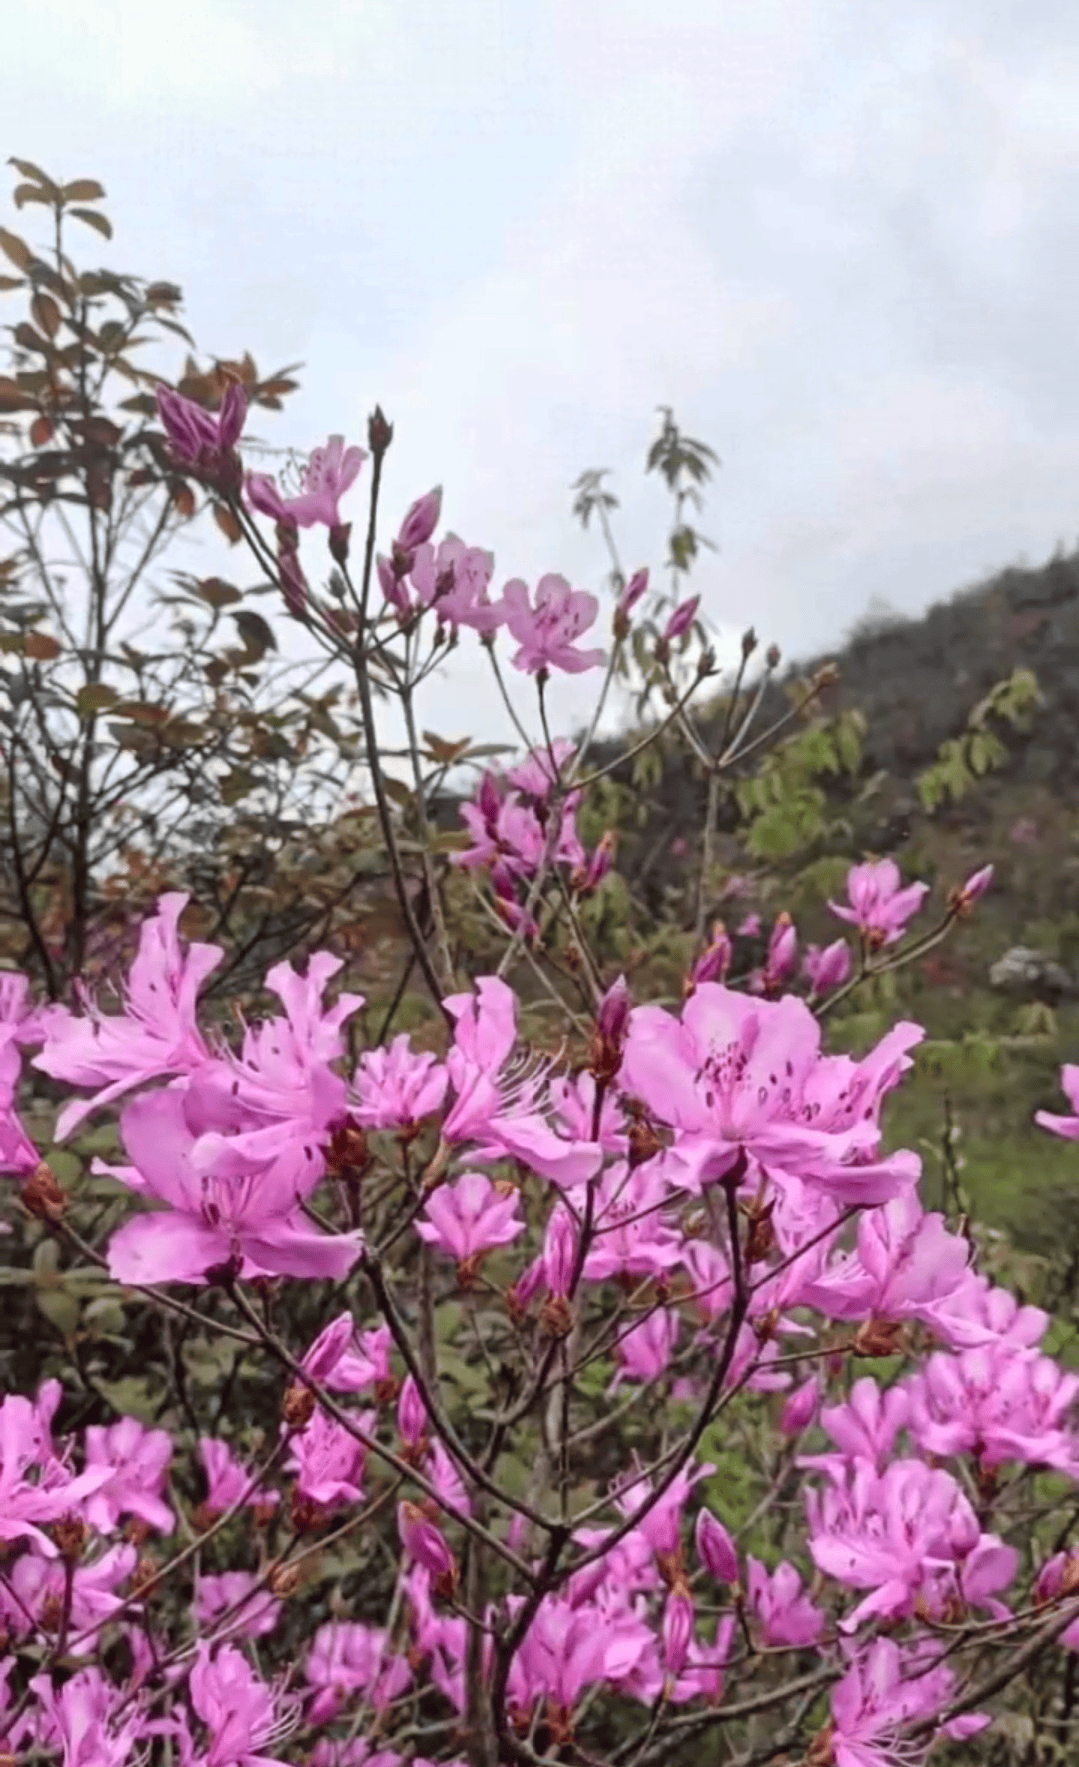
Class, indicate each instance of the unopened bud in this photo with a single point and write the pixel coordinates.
(42, 1196)
(877, 1337)
(71, 1534)
(379, 431)
(749, 642)
(773, 655)
(339, 540)
(297, 1406)
(609, 1035)
(421, 521)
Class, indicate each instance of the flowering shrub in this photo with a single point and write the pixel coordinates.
(615, 1386)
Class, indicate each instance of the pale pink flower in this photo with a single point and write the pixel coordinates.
(398, 1086)
(242, 1714)
(783, 1612)
(546, 631)
(876, 902)
(251, 1612)
(346, 1658)
(137, 1460)
(329, 473)
(227, 1482)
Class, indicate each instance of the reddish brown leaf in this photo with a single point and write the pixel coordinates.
(228, 524)
(183, 500)
(42, 430)
(41, 647)
(12, 397)
(83, 190)
(99, 222)
(15, 249)
(45, 314)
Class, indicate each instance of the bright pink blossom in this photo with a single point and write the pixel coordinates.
(1068, 1127)
(736, 1074)
(469, 1217)
(156, 1033)
(784, 1613)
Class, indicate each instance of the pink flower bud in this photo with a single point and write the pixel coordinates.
(782, 952)
(590, 876)
(715, 1548)
(628, 600)
(827, 968)
(421, 521)
(232, 416)
(424, 1544)
(677, 1629)
(801, 1407)
(411, 1413)
(749, 926)
(329, 1347)
(974, 887)
(559, 1251)
(681, 619)
(714, 962)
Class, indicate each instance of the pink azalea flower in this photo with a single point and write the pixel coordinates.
(243, 1716)
(907, 1265)
(470, 1217)
(736, 1074)
(1068, 1127)
(865, 1427)
(199, 438)
(628, 599)
(397, 1086)
(137, 1460)
(92, 1722)
(644, 1352)
(680, 620)
(454, 580)
(1000, 1403)
(677, 1629)
(329, 473)
(25, 1502)
(801, 1408)
(156, 1034)
(348, 1658)
(784, 1614)
(876, 1700)
(251, 1612)
(223, 1205)
(228, 1483)
(535, 775)
(877, 904)
(546, 631)
(904, 1535)
(39, 1585)
(17, 1025)
(328, 1461)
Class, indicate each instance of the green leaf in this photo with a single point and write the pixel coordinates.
(96, 696)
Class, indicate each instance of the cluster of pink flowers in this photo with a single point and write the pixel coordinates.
(715, 1164)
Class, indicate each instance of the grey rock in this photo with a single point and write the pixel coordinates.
(1022, 970)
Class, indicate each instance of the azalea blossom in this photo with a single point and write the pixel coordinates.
(329, 473)
(546, 630)
(469, 1217)
(735, 1075)
(877, 904)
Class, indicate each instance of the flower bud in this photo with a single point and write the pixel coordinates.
(681, 620)
(421, 521)
(677, 1629)
(339, 542)
(713, 963)
(379, 431)
(962, 901)
(628, 600)
(42, 1196)
(559, 1251)
(715, 1548)
(749, 642)
(233, 415)
(609, 1036)
(773, 656)
(411, 1414)
(425, 1545)
(800, 1409)
(828, 967)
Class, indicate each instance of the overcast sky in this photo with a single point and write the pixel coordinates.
(840, 239)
